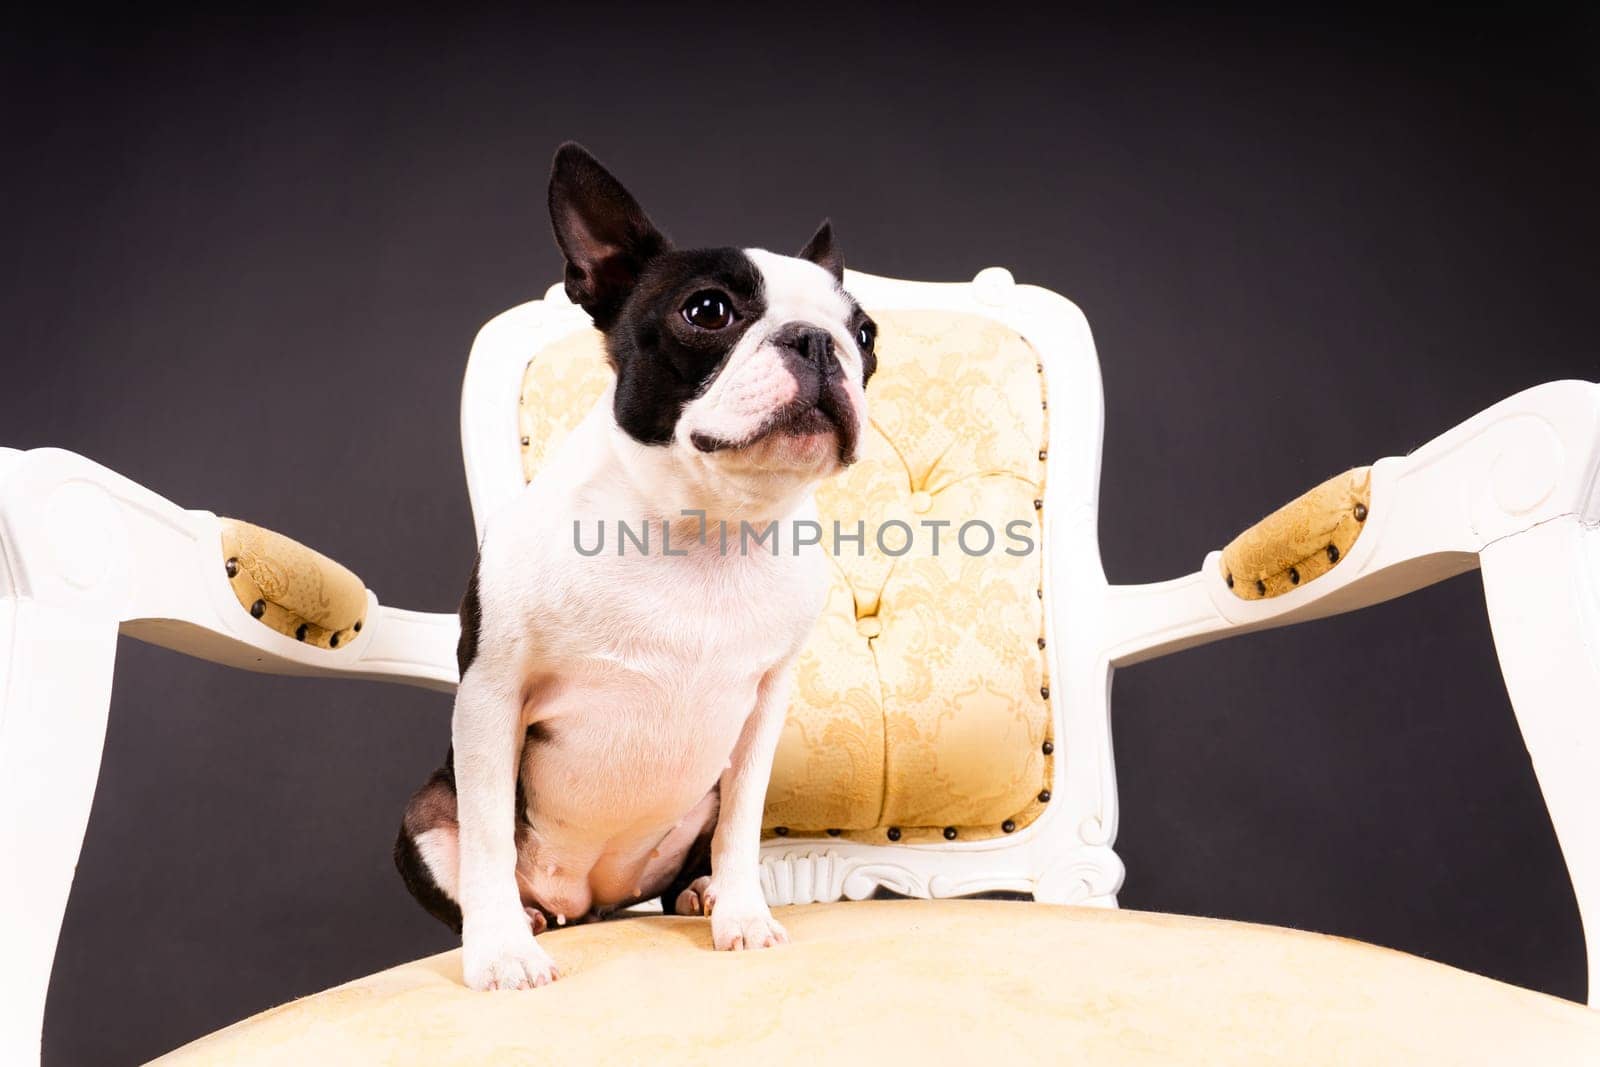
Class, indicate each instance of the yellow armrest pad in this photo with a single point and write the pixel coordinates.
(287, 586)
(1301, 541)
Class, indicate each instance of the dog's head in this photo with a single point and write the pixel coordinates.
(739, 358)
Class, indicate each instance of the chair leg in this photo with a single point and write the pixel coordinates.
(55, 689)
(1543, 591)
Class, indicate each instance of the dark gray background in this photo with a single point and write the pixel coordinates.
(246, 258)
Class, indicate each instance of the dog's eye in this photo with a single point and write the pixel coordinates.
(709, 310)
(867, 336)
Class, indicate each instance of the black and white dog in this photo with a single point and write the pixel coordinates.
(615, 726)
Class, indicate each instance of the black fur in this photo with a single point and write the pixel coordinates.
(471, 622)
(823, 250)
(662, 362)
(603, 232)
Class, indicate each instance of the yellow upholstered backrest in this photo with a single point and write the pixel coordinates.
(921, 706)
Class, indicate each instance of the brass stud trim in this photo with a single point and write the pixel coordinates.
(1333, 553)
(1361, 513)
(333, 639)
(834, 833)
(894, 833)
(1294, 575)
(949, 833)
(258, 609)
(300, 632)
(1009, 826)
(781, 831)
(1044, 796)
(1048, 747)
(232, 567)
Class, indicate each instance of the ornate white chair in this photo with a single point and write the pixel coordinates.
(950, 733)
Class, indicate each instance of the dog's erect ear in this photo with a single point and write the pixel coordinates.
(823, 250)
(604, 233)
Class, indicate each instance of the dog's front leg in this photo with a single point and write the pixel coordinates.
(740, 917)
(498, 949)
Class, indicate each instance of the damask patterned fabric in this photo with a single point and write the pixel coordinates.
(1301, 541)
(291, 588)
(921, 705)
(875, 982)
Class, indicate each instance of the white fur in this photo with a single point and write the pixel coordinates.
(656, 676)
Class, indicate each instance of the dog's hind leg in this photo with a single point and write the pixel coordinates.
(685, 894)
(428, 851)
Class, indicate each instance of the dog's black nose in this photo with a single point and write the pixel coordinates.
(814, 345)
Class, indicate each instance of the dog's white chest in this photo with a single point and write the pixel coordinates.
(644, 697)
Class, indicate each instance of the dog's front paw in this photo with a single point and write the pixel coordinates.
(515, 961)
(740, 919)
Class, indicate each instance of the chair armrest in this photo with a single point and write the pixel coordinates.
(1401, 524)
(79, 535)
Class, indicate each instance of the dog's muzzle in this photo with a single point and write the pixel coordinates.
(821, 402)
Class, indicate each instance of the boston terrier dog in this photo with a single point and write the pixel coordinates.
(618, 712)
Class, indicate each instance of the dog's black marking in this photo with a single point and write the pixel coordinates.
(663, 362)
(823, 250)
(471, 622)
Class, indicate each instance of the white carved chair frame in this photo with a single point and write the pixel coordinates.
(86, 555)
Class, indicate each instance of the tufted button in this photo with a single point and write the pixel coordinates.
(921, 501)
(868, 626)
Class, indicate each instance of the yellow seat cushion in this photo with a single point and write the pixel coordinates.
(921, 702)
(925, 982)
